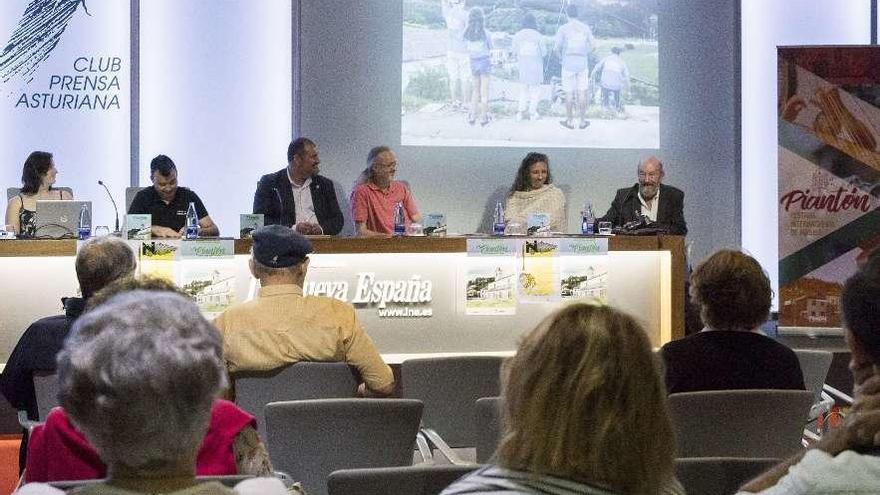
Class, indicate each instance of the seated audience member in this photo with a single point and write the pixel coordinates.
(58, 451)
(298, 196)
(100, 260)
(733, 294)
(846, 459)
(167, 203)
(663, 205)
(532, 192)
(138, 376)
(282, 326)
(585, 412)
(373, 200)
(37, 178)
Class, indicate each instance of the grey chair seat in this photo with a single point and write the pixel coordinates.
(488, 427)
(740, 423)
(46, 392)
(409, 480)
(14, 191)
(450, 387)
(309, 439)
(718, 475)
(303, 380)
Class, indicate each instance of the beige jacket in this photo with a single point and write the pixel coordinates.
(281, 326)
(548, 199)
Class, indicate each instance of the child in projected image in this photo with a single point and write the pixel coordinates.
(457, 57)
(478, 45)
(613, 77)
(528, 45)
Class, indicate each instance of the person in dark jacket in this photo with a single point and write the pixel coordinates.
(297, 196)
(662, 205)
(733, 294)
(100, 260)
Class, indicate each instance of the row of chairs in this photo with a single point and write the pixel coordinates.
(448, 388)
(699, 476)
(312, 438)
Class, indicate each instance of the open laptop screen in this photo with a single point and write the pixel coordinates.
(59, 219)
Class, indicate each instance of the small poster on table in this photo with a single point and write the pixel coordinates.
(137, 226)
(435, 224)
(249, 222)
(539, 223)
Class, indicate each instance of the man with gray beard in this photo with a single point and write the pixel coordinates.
(661, 205)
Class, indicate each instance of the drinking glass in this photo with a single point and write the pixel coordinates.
(514, 228)
(604, 228)
(102, 230)
(416, 229)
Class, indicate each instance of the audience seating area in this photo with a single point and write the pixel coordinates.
(336, 444)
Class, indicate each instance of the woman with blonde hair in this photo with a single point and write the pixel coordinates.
(585, 412)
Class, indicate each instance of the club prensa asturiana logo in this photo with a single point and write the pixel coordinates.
(35, 37)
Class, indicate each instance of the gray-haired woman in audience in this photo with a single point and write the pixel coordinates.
(585, 412)
(137, 376)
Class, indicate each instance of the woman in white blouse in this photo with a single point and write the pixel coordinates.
(532, 192)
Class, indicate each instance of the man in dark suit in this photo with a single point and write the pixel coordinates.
(663, 205)
(297, 196)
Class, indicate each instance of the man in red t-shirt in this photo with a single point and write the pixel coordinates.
(373, 201)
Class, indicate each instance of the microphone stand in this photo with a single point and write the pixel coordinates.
(115, 209)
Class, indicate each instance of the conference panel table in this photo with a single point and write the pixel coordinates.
(645, 277)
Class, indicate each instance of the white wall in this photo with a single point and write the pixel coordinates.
(215, 96)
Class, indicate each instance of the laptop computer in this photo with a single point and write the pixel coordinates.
(59, 219)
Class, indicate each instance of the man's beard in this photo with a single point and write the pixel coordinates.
(648, 192)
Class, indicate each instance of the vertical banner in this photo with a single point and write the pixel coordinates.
(64, 88)
(829, 176)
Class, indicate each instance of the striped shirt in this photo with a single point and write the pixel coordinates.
(498, 480)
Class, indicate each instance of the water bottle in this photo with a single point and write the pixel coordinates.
(84, 226)
(498, 219)
(588, 220)
(192, 222)
(399, 220)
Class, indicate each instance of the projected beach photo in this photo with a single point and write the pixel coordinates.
(527, 73)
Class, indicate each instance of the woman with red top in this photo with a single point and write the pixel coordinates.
(139, 376)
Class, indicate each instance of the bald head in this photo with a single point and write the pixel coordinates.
(102, 260)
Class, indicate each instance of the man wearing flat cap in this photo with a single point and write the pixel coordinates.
(282, 326)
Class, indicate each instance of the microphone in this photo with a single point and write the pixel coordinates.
(115, 209)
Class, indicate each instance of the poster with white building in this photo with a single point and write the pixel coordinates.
(491, 287)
